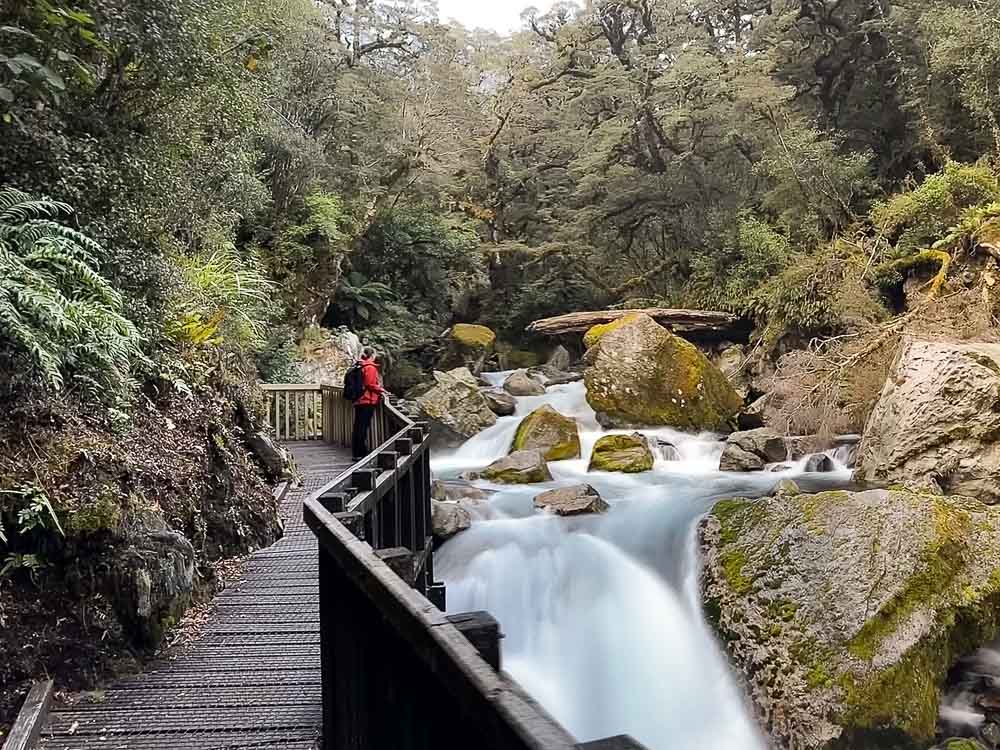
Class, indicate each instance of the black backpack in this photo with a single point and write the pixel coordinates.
(354, 382)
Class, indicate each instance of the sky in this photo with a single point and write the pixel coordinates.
(500, 15)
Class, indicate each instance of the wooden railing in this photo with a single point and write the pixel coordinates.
(397, 671)
(295, 412)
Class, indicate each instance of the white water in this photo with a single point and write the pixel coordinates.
(602, 614)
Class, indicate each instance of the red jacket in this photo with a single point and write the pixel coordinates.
(373, 384)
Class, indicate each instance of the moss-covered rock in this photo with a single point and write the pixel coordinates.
(468, 346)
(547, 430)
(577, 500)
(455, 408)
(523, 467)
(596, 333)
(846, 610)
(623, 453)
(641, 374)
(520, 383)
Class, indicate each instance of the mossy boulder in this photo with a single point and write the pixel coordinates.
(522, 467)
(643, 375)
(596, 333)
(547, 430)
(846, 610)
(623, 453)
(468, 346)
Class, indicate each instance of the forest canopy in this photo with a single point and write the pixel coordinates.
(241, 170)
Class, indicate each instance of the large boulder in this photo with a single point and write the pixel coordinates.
(641, 374)
(455, 408)
(327, 355)
(500, 402)
(623, 453)
(938, 420)
(521, 384)
(523, 467)
(549, 431)
(572, 501)
(845, 611)
(468, 346)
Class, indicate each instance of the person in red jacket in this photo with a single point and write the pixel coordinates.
(365, 407)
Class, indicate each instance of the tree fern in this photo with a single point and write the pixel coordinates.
(57, 313)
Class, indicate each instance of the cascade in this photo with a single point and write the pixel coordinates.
(602, 614)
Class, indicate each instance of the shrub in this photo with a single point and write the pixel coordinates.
(58, 315)
(914, 221)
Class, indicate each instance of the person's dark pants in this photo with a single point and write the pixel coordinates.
(362, 424)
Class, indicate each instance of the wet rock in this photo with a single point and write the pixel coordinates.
(455, 408)
(846, 611)
(629, 454)
(468, 346)
(572, 501)
(152, 579)
(765, 443)
(501, 403)
(521, 384)
(641, 374)
(456, 491)
(819, 462)
(990, 732)
(938, 417)
(547, 430)
(735, 458)
(448, 519)
(523, 467)
(560, 358)
(666, 451)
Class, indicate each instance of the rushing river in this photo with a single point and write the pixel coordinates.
(601, 614)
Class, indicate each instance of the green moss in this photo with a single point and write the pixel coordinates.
(547, 430)
(819, 677)
(103, 514)
(733, 563)
(473, 337)
(622, 453)
(961, 743)
(942, 560)
(519, 359)
(596, 333)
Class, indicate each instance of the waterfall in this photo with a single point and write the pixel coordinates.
(602, 614)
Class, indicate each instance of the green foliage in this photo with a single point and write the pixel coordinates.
(915, 220)
(359, 300)
(29, 513)
(57, 313)
(278, 359)
(729, 279)
(225, 299)
(816, 295)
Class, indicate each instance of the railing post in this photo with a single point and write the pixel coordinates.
(483, 632)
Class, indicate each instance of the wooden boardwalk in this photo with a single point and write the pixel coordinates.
(251, 679)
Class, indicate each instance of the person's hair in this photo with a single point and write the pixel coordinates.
(368, 353)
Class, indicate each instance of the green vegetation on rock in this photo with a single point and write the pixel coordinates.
(629, 454)
(547, 430)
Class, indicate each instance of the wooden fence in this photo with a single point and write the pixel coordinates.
(319, 412)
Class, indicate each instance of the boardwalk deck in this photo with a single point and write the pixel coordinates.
(252, 678)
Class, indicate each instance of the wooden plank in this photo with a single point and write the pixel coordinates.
(34, 712)
(621, 742)
(483, 632)
(290, 387)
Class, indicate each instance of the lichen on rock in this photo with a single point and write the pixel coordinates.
(545, 429)
(643, 375)
(846, 610)
(629, 454)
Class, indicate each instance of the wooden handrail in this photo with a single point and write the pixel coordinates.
(295, 411)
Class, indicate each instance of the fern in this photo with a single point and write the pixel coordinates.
(57, 313)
